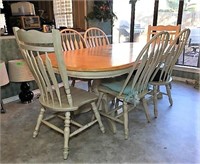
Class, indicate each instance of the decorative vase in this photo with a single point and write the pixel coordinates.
(25, 95)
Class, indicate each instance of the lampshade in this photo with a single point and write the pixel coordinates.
(19, 71)
(3, 74)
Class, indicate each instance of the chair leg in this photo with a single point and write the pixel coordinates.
(89, 86)
(73, 83)
(2, 109)
(159, 94)
(99, 102)
(66, 135)
(155, 103)
(170, 85)
(39, 120)
(126, 130)
(111, 123)
(146, 110)
(97, 115)
(169, 94)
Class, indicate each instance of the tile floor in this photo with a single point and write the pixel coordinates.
(174, 137)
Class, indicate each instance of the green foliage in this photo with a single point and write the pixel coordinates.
(173, 4)
(102, 10)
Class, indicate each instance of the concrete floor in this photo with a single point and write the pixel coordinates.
(174, 137)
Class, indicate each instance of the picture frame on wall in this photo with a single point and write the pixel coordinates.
(30, 22)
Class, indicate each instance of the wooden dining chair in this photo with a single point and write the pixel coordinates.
(73, 40)
(133, 88)
(63, 100)
(163, 72)
(95, 37)
(171, 29)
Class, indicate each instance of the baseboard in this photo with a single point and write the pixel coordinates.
(186, 80)
(16, 98)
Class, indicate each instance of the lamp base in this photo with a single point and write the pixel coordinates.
(2, 109)
(25, 95)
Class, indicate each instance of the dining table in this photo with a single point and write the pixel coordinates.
(99, 62)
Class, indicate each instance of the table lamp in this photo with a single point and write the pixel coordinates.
(3, 80)
(19, 72)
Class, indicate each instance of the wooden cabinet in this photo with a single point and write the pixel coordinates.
(79, 14)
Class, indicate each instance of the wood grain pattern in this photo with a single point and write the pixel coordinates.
(102, 58)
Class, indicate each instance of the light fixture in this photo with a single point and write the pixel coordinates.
(3, 80)
(19, 72)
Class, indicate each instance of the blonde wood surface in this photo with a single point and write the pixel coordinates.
(171, 29)
(99, 62)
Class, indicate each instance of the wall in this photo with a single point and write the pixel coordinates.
(10, 51)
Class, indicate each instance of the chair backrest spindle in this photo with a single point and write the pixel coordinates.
(95, 37)
(72, 40)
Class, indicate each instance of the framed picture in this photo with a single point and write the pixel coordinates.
(30, 22)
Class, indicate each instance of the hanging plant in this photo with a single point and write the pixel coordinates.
(102, 11)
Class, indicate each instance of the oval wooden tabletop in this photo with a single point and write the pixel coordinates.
(99, 61)
(109, 57)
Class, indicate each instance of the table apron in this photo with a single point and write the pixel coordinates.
(96, 74)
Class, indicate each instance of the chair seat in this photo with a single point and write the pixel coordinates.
(114, 86)
(79, 96)
(157, 82)
(161, 79)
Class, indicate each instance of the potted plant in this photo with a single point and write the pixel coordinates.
(102, 11)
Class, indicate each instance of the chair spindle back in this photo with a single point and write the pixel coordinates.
(95, 37)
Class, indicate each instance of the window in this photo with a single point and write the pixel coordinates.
(2, 17)
(2, 21)
(63, 13)
(1, 4)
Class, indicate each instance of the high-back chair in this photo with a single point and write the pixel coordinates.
(163, 72)
(95, 37)
(133, 88)
(73, 40)
(172, 30)
(62, 101)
